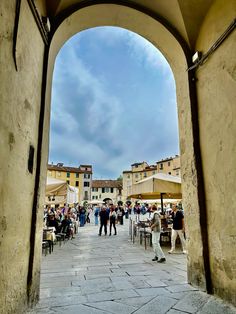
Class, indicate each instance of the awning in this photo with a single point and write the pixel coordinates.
(158, 186)
(155, 186)
(59, 192)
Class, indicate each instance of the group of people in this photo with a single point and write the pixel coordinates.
(67, 219)
(177, 229)
(63, 219)
(109, 213)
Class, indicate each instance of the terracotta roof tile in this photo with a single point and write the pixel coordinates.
(106, 184)
(68, 169)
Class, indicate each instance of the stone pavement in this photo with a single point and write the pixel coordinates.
(110, 274)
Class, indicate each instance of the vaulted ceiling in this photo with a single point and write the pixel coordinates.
(185, 16)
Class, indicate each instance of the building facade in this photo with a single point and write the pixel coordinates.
(108, 191)
(79, 177)
(138, 172)
(169, 166)
(142, 170)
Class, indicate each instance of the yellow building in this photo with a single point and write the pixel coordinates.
(79, 177)
(142, 170)
(169, 166)
(139, 171)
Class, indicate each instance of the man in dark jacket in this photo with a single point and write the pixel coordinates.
(177, 229)
(104, 216)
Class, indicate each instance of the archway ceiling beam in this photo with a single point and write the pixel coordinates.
(184, 16)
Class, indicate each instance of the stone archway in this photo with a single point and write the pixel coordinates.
(176, 51)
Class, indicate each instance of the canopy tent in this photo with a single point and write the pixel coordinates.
(96, 202)
(72, 195)
(59, 192)
(158, 201)
(158, 186)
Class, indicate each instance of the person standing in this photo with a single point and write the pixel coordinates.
(112, 217)
(104, 216)
(96, 214)
(156, 231)
(177, 229)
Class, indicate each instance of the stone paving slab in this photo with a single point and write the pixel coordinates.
(113, 307)
(192, 302)
(160, 305)
(102, 275)
(216, 306)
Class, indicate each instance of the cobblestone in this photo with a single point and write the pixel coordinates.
(110, 274)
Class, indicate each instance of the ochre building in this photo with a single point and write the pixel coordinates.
(79, 177)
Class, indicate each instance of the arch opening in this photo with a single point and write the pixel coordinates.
(151, 29)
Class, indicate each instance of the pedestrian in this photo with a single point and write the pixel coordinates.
(177, 229)
(104, 216)
(120, 214)
(96, 215)
(82, 216)
(112, 218)
(155, 226)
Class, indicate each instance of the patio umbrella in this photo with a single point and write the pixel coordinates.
(158, 186)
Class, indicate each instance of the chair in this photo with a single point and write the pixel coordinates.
(45, 247)
(50, 242)
(64, 233)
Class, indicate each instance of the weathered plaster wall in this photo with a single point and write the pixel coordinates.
(20, 94)
(217, 111)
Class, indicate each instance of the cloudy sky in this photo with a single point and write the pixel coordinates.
(113, 103)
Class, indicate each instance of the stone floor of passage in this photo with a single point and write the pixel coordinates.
(109, 274)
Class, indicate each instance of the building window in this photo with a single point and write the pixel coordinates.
(169, 163)
(76, 183)
(136, 175)
(128, 176)
(112, 190)
(86, 176)
(59, 173)
(86, 195)
(95, 189)
(67, 174)
(161, 166)
(105, 190)
(86, 183)
(76, 175)
(68, 181)
(145, 175)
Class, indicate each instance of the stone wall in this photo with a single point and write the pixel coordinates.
(216, 85)
(20, 92)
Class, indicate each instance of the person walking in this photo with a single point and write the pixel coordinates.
(112, 217)
(155, 226)
(177, 229)
(104, 216)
